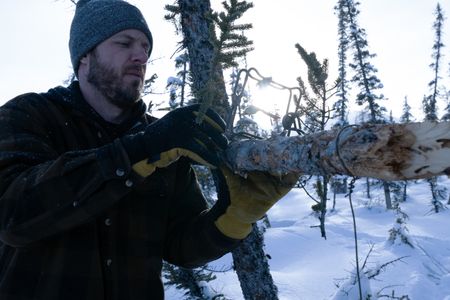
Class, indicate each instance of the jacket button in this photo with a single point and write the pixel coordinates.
(108, 262)
(129, 183)
(108, 222)
(120, 172)
(99, 134)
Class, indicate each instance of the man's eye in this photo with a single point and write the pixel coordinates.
(124, 44)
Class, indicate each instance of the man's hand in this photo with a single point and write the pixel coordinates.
(249, 199)
(177, 134)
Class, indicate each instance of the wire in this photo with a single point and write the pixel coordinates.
(351, 187)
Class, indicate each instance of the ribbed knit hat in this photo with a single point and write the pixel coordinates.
(97, 20)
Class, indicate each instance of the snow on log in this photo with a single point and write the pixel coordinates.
(384, 151)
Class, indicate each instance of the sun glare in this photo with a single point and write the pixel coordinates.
(267, 104)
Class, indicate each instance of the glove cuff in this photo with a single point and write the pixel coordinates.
(143, 168)
(233, 227)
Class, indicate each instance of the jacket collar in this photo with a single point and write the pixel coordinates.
(72, 98)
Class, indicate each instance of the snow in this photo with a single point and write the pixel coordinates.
(174, 81)
(306, 266)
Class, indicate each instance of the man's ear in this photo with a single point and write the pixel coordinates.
(84, 64)
(84, 60)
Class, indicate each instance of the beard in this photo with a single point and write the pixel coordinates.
(110, 82)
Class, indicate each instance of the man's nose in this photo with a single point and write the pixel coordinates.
(140, 55)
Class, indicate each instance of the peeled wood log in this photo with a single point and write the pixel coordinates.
(384, 151)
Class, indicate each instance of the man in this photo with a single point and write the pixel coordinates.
(94, 193)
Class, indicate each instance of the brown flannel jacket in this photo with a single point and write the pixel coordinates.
(75, 221)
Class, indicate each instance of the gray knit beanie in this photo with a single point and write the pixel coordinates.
(97, 20)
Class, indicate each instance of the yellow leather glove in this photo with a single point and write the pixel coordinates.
(250, 199)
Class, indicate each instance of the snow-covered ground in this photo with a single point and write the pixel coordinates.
(306, 266)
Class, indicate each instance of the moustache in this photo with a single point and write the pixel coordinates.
(137, 70)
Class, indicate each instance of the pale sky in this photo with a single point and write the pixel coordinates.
(34, 54)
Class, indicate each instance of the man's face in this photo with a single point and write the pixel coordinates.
(117, 67)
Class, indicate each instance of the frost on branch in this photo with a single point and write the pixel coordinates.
(389, 152)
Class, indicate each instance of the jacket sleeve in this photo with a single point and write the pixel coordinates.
(44, 192)
(192, 238)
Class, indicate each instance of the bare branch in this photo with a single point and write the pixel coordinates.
(372, 273)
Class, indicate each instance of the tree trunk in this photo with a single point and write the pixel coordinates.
(209, 87)
(252, 268)
(323, 211)
(404, 195)
(368, 188)
(198, 39)
(387, 195)
(387, 152)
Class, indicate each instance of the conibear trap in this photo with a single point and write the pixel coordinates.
(384, 151)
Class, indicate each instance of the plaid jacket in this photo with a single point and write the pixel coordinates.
(75, 221)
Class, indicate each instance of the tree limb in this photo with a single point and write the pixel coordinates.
(384, 151)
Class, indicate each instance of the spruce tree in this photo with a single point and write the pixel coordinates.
(249, 259)
(209, 54)
(446, 96)
(406, 116)
(181, 82)
(399, 233)
(430, 101)
(317, 114)
(438, 192)
(365, 77)
(186, 279)
(340, 107)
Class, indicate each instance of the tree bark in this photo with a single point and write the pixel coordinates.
(252, 268)
(209, 86)
(198, 39)
(387, 152)
(387, 195)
